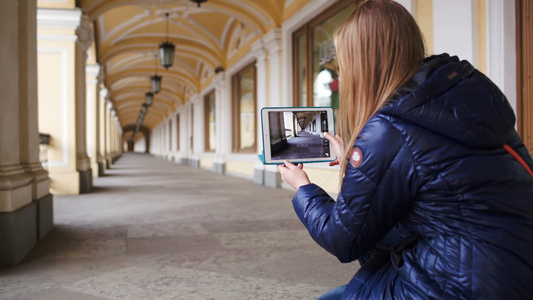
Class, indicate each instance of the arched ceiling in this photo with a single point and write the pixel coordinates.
(128, 34)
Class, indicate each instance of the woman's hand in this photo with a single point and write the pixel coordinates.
(337, 146)
(293, 175)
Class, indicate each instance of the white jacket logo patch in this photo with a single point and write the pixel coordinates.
(356, 158)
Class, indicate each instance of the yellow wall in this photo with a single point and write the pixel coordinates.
(245, 168)
(424, 18)
(57, 111)
(293, 8)
(67, 4)
(206, 163)
(326, 179)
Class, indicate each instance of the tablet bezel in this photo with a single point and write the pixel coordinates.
(266, 133)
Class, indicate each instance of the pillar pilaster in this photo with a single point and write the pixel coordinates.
(259, 52)
(22, 179)
(93, 124)
(108, 155)
(61, 93)
(83, 162)
(219, 163)
(272, 42)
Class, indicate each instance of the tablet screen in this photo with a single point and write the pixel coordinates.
(297, 134)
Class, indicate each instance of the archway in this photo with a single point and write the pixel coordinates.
(144, 130)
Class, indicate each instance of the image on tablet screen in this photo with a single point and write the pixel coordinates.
(298, 134)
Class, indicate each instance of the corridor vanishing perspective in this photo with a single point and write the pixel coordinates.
(153, 229)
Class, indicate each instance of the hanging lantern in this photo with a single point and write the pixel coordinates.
(156, 83)
(166, 51)
(149, 98)
(199, 2)
(156, 79)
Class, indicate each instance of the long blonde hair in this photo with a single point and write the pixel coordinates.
(379, 48)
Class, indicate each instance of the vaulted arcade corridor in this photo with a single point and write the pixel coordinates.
(153, 229)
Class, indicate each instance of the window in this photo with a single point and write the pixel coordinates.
(209, 122)
(244, 109)
(314, 58)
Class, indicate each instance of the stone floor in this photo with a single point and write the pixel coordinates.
(153, 229)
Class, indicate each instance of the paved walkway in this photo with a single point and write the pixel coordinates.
(153, 229)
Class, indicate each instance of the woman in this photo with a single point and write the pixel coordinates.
(425, 161)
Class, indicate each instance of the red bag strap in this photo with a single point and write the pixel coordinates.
(517, 157)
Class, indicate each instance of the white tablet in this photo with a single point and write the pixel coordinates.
(296, 134)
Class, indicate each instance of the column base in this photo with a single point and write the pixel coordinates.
(19, 234)
(45, 216)
(259, 176)
(193, 162)
(183, 161)
(219, 168)
(101, 169)
(272, 179)
(86, 181)
(115, 158)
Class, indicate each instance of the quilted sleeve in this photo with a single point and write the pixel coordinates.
(375, 194)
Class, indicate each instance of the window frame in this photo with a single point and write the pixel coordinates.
(307, 30)
(207, 98)
(235, 109)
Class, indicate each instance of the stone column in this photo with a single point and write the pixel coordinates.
(93, 103)
(185, 148)
(196, 134)
(112, 135)
(83, 163)
(101, 120)
(108, 155)
(501, 48)
(259, 52)
(29, 121)
(460, 36)
(219, 162)
(272, 42)
(18, 213)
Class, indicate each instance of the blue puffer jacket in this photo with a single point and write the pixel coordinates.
(433, 165)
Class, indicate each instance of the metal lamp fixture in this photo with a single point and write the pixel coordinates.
(156, 80)
(156, 83)
(149, 98)
(199, 2)
(166, 51)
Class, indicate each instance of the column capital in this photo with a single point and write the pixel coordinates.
(58, 18)
(258, 50)
(101, 76)
(92, 72)
(104, 92)
(84, 33)
(272, 40)
(220, 80)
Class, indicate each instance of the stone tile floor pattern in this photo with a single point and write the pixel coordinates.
(154, 229)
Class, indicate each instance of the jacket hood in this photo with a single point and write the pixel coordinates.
(450, 97)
